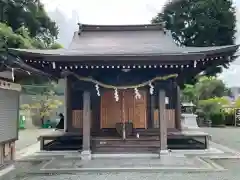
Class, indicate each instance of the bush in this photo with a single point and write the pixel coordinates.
(217, 119)
(229, 119)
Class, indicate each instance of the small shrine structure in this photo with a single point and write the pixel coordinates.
(123, 85)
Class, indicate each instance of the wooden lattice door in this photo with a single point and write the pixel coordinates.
(134, 109)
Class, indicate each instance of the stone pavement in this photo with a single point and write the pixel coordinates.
(207, 166)
(28, 151)
(29, 137)
(62, 165)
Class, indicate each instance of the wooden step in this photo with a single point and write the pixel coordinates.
(125, 143)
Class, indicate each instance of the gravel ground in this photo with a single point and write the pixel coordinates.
(230, 175)
(225, 136)
(229, 136)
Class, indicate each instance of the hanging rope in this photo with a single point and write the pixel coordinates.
(107, 86)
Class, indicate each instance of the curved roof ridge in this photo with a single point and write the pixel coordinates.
(136, 27)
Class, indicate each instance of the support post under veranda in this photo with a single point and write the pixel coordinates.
(123, 116)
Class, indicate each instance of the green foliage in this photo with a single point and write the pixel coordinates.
(236, 104)
(25, 24)
(200, 23)
(43, 105)
(205, 88)
(21, 39)
(217, 119)
(210, 87)
(29, 13)
(56, 46)
(189, 94)
(18, 39)
(229, 118)
(211, 107)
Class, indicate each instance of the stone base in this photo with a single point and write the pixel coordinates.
(86, 155)
(163, 152)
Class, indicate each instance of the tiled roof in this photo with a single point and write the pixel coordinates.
(94, 40)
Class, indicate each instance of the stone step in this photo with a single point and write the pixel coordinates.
(126, 149)
(127, 142)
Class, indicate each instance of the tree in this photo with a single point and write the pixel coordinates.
(44, 99)
(208, 95)
(44, 105)
(18, 39)
(25, 24)
(32, 15)
(28, 19)
(205, 88)
(211, 87)
(212, 105)
(200, 23)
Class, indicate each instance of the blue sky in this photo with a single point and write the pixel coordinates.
(68, 13)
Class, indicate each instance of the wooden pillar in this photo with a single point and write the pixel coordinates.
(162, 121)
(96, 113)
(150, 108)
(123, 113)
(68, 104)
(86, 152)
(178, 124)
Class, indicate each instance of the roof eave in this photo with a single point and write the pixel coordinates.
(50, 56)
(30, 69)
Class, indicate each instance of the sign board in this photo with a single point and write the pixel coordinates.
(237, 115)
(166, 100)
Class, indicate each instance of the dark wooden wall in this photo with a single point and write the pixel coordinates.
(104, 109)
(77, 110)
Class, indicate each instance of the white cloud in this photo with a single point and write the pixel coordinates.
(231, 75)
(108, 11)
(67, 13)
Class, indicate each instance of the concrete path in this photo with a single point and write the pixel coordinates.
(227, 136)
(29, 137)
